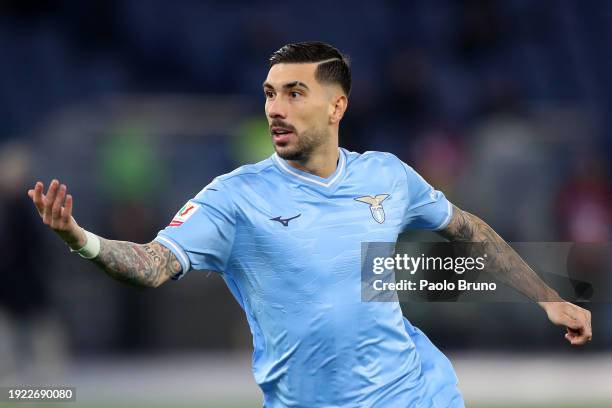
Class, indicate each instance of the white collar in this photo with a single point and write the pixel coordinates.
(311, 178)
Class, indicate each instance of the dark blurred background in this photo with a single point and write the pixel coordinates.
(136, 105)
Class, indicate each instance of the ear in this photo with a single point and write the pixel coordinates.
(338, 106)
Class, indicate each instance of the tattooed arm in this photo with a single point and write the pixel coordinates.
(509, 268)
(147, 265)
(502, 262)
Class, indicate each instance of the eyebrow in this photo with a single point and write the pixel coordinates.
(288, 85)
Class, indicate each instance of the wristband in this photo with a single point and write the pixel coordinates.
(91, 249)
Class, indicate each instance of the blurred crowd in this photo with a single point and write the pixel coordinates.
(503, 105)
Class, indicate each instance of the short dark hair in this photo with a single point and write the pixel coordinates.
(336, 69)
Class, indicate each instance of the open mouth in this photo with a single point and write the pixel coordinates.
(281, 135)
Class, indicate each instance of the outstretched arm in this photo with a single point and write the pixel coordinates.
(509, 268)
(146, 265)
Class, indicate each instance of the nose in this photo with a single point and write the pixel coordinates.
(276, 109)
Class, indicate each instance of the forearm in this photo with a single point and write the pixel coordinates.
(503, 263)
(145, 265)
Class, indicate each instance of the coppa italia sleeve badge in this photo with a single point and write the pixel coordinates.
(184, 213)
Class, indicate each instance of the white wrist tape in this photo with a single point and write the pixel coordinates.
(91, 248)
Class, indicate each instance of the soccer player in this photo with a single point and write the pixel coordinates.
(285, 234)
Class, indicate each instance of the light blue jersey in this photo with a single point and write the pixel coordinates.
(287, 243)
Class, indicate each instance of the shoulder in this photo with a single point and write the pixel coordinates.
(247, 172)
(238, 180)
(244, 174)
(375, 159)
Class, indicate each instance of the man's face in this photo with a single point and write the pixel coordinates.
(297, 109)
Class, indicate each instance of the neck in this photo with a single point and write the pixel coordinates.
(321, 163)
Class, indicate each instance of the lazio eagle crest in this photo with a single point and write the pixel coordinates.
(376, 208)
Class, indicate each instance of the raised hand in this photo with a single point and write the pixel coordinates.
(147, 265)
(55, 209)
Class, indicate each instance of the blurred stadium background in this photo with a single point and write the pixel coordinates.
(136, 105)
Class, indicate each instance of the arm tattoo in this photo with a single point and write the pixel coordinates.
(502, 262)
(147, 265)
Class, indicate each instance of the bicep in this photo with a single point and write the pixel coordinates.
(426, 208)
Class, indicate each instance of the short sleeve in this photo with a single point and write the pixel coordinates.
(201, 234)
(427, 208)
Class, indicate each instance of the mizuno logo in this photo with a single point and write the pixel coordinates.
(376, 208)
(284, 221)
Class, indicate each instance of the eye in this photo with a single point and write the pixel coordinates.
(269, 94)
(295, 94)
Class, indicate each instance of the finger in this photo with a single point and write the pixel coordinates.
(579, 341)
(38, 197)
(572, 337)
(578, 337)
(48, 201)
(584, 319)
(67, 210)
(588, 332)
(56, 210)
(38, 188)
